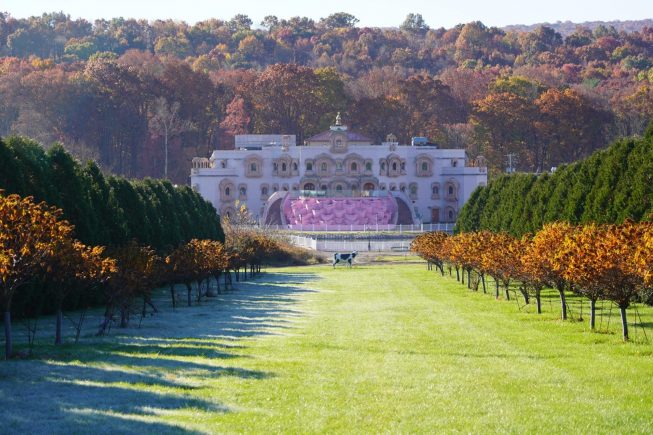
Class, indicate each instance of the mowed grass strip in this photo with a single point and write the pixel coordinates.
(383, 348)
(397, 348)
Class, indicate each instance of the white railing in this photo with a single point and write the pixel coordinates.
(304, 242)
(348, 245)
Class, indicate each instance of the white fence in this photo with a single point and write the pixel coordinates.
(304, 242)
(346, 245)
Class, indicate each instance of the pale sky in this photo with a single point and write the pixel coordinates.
(381, 13)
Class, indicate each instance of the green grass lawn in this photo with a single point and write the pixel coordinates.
(376, 348)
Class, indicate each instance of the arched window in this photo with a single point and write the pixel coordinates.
(451, 215)
(403, 166)
(309, 166)
(338, 166)
(294, 166)
(223, 164)
(368, 166)
(323, 187)
(394, 166)
(252, 167)
(227, 191)
(383, 166)
(264, 190)
(413, 189)
(283, 167)
(425, 166)
(403, 189)
(309, 186)
(339, 187)
(368, 186)
(275, 166)
(435, 190)
(354, 167)
(323, 167)
(454, 163)
(450, 189)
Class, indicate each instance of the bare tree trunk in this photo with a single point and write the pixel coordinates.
(563, 302)
(108, 315)
(57, 335)
(457, 274)
(496, 293)
(8, 343)
(483, 282)
(624, 322)
(525, 295)
(209, 291)
(508, 291)
(538, 302)
(189, 287)
(165, 168)
(592, 314)
(124, 317)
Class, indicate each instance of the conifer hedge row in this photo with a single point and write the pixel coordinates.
(608, 187)
(107, 210)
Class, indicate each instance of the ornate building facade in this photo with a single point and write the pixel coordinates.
(338, 177)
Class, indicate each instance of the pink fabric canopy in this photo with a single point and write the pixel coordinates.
(339, 211)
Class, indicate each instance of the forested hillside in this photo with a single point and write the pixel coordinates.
(566, 28)
(117, 90)
(611, 186)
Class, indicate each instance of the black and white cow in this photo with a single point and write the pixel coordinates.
(337, 258)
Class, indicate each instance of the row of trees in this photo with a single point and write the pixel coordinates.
(106, 210)
(597, 261)
(41, 262)
(610, 186)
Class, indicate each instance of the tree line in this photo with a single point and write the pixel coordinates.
(44, 268)
(106, 210)
(143, 98)
(609, 187)
(596, 261)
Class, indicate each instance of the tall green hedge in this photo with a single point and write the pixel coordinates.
(107, 211)
(608, 187)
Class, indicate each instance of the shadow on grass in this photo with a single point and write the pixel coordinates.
(129, 381)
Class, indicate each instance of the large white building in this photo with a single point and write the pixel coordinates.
(338, 177)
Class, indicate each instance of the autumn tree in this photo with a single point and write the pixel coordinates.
(539, 259)
(429, 247)
(72, 266)
(237, 119)
(134, 277)
(599, 262)
(29, 233)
